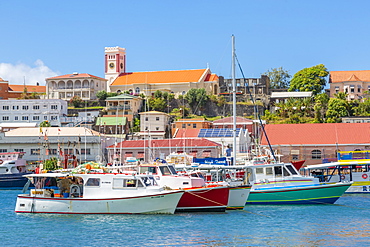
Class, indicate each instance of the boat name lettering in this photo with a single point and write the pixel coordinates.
(365, 188)
(105, 182)
(157, 196)
(37, 192)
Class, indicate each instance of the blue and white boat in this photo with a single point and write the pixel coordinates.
(12, 169)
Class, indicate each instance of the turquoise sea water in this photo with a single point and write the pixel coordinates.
(346, 223)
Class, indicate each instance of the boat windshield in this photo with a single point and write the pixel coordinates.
(291, 169)
(168, 170)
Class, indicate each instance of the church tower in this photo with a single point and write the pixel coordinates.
(115, 63)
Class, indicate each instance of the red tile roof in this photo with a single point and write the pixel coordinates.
(174, 76)
(356, 75)
(326, 133)
(167, 143)
(30, 88)
(187, 133)
(74, 76)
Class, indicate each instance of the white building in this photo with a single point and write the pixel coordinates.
(61, 142)
(154, 125)
(33, 111)
(82, 85)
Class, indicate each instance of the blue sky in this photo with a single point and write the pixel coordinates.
(40, 39)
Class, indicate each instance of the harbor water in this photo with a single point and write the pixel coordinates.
(346, 223)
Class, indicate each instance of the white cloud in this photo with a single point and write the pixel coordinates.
(22, 73)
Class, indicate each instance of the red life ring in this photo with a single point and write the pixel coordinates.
(342, 177)
(364, 176)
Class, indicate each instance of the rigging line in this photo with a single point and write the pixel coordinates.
(256, 109)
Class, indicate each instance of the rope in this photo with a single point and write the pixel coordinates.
(206, 198)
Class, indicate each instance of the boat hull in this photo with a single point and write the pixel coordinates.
(13, 180)
(238, 196)
(160, 203)
(315, 194)
(208, 199)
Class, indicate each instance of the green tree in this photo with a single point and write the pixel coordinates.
(363, 108)
(45, 124)
(157, 104)
(102, 95)
(51, 164)
(196, 98)
(320, 107)
(279, 78)
(136, 125)
(309, 79)
(76, 101)
(337, 108)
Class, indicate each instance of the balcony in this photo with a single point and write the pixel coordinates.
(120, 107)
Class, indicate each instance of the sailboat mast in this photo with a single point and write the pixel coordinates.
(234, 99)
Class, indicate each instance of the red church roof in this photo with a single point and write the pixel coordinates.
(325, 133)
(172, 76)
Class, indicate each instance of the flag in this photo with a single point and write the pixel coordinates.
(40, 129)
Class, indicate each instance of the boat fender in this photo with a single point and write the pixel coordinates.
(1, 161)
(364, 176)
(342, 177)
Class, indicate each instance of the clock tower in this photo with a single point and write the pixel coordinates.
(115, 63)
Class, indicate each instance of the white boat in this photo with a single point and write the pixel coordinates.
(12, 169)
(102, 193)
(280, 183)
(351, 166)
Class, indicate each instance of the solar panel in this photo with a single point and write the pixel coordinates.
(217, 132)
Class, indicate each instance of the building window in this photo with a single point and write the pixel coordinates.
(137, 90)
(194, 126)
(146, 119)
(36, 118)
(54, 118)
(146, 128)
(18, 150)
(35, 151)
(3, 150)
(25, 107)
(45, 117)
(15, 118)
(183, 125)
(68, 151)
(156, 128)
(24, 118)
(85, 151)
(5, 108)
(316, 154)
(54, 107)
(156, 118)
(15, 107)
(5, 118)
(36, 107)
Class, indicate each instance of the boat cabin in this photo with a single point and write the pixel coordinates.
(103, 185)
(166, 175)
(12, 163)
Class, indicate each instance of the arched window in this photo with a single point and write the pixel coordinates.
(118, 91)
(316, 154)
(137, 90)
(130, 91)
